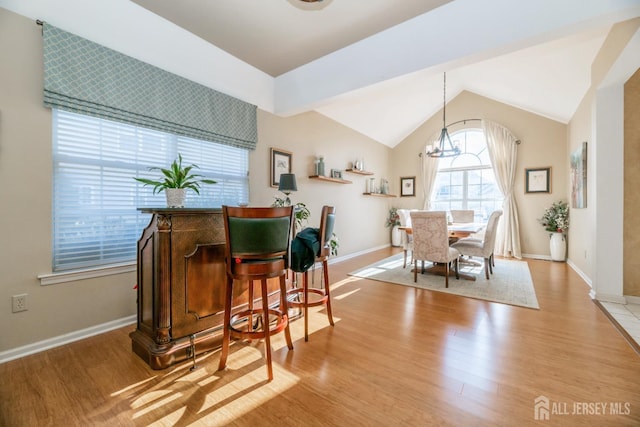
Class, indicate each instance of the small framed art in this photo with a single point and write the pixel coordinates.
(408, 186)
(537, 180)
(280, 163)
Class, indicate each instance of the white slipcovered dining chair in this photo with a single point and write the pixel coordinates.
(482, 248)
(462, 215)
(431, 242)
(407, 239)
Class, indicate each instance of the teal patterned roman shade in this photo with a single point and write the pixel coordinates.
(85, 77)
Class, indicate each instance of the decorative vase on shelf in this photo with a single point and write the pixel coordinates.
(321, 166)
(396, 236)
(558, 246)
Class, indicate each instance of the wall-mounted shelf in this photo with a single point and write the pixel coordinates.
(326, 178)
(359, 172)
(379, 195)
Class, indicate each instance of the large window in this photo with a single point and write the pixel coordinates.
(95, 198)
(467, 181)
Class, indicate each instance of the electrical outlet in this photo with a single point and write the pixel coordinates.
(19, 303)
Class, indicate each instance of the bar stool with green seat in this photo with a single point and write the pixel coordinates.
(321, 296)
(258, 248)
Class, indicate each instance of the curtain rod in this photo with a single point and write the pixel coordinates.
(517, 141)
(463, 121)
(39, 22)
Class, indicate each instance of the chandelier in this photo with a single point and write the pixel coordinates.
(443, 147)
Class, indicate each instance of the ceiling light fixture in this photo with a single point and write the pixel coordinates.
(311, 1)
(443, 147)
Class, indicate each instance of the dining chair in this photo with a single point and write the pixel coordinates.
(258, 248)
(482, 248)
(305, 296)
(463, 216)
(431, 242)
(407, 238)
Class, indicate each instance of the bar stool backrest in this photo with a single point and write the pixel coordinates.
(257, 233)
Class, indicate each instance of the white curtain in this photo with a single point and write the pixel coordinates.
(429, 174)
(503, 151)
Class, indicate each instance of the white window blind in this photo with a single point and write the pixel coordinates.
(95, 198)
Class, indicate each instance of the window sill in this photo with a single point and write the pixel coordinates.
(89, 273)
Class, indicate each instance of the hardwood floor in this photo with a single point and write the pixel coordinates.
(396, 356)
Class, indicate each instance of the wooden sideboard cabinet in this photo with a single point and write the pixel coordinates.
(181, 285)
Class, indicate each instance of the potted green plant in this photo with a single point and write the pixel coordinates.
(556, 220)
(300, 211)
(334, 244)
(175, 181)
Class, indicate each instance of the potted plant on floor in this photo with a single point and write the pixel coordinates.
(556, 220)
(175, 182)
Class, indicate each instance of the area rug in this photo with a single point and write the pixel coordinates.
(510, 282)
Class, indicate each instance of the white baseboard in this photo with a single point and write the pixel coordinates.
(632, 299)
(618, 299)
(37, 347)
(537, 256)
(336, 259)
(581, 273)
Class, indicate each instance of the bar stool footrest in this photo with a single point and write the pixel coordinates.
(281, 322)
(299, 301)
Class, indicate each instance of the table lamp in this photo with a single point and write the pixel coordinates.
(287, 185)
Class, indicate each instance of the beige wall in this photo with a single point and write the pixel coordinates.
(25, 222)
(359, 219)
(543, 145)
(26, 167)
(632, 181)
(581, 250)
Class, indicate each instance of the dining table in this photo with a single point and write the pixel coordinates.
(457, 230)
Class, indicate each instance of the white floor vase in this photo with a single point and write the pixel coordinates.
(558, 246)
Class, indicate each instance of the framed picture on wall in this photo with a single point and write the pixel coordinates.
(280, 163)
(408, 186)
(537, 180)
(579, 177)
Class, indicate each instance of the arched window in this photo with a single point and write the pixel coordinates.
(467, 181)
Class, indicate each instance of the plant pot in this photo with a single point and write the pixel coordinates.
(396, 236)
(175, 197)
(558, 246)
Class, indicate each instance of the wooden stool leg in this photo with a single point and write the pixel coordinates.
(327, 291)
(284, 308)
(266, 327)
(226, 325)
(250, 307)
(305, 290)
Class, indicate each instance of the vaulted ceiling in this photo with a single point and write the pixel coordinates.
(375, 66)
(532, 55)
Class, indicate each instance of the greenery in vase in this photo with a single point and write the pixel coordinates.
(334, 244)
(177, 176)
(393, 219)
(300, 211)
(556, 217)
